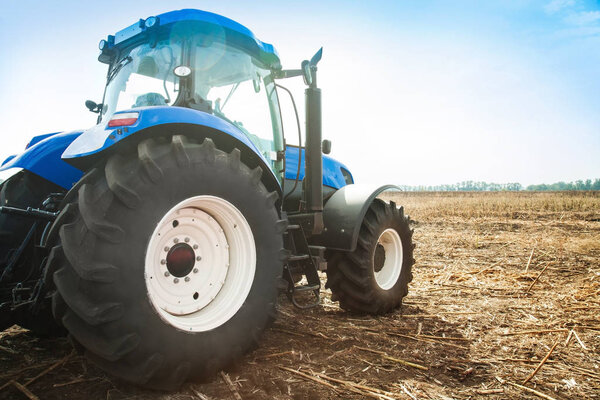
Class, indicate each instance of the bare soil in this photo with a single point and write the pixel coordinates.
(501, 279)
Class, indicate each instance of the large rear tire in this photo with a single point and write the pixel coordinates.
(373, 279)
(171, 262)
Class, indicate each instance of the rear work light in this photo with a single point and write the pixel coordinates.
(124, 119)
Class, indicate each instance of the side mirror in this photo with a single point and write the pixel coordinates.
(306, 72)
(93, 106)
(256, 83)
(326, 146)
(307, 67)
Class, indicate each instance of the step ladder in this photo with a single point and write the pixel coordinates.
(300, 263)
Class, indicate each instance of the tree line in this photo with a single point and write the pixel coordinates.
(588, 184)
(476, 186)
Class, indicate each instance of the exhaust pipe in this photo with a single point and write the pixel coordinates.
(313, 160)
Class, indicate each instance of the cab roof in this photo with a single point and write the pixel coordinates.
(234, 33)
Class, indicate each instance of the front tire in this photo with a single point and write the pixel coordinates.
(373, 279)
(170, 263)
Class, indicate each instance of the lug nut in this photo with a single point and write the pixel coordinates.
(198, 258)
(176, 280)
(195, 247)
(187, 279)
(175, 240)
(195, 270)
(163, 262)
(187, 240)
(167, 248)
(167, 273)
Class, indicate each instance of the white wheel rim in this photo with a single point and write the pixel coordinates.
(224, 264)
(389, 273)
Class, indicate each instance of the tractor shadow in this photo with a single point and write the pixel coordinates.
(326, 339)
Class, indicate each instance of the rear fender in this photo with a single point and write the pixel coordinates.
(101, 141)
(42, 157)
(343, 215)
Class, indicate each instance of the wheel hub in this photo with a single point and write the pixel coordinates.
(181, 238)
(200, 263)
(388, 259)
(180, 260)
(379, 258)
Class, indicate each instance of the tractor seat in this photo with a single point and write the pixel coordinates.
(149, 99)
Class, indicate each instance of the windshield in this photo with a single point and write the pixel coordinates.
(225, 81)
(142, 78)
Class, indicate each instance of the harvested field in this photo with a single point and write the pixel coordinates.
(504, 304)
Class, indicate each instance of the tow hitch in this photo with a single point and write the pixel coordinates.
(29, 212)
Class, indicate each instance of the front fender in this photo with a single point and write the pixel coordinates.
(42, 157)
(343, 215)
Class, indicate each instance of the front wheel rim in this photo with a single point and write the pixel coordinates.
(202, 292)
(387, 276)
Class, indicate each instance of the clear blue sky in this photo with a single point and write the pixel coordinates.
(415, 92)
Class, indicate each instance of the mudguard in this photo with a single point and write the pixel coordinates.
(343, 215)
(97, 141)
(42, 157)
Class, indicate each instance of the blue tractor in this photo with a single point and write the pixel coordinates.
(160, 238)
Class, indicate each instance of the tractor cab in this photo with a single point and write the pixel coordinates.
(189, 59)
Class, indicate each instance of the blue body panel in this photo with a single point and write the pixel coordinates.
(43, 159)
(332, 169)
(231, 31)
(6, 161)
(39, 138)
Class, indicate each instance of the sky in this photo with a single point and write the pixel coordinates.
(414, 92)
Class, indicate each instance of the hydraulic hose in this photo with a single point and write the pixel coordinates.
(299, 141)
